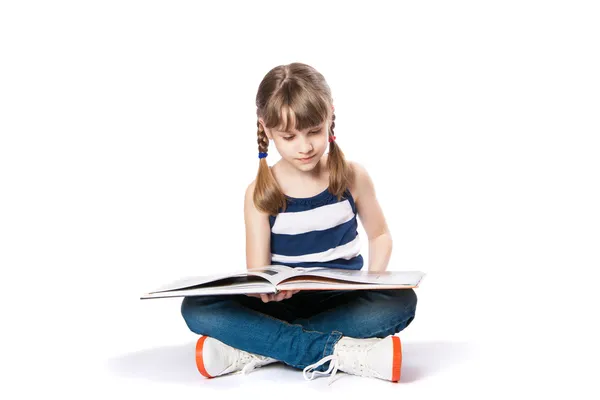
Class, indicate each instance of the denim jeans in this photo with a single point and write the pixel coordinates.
(301, 330)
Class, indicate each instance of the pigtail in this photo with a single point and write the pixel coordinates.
(341, 175)
(268, 196)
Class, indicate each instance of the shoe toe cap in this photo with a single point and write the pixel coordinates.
(212, 357)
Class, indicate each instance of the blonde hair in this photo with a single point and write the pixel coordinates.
(295, 95)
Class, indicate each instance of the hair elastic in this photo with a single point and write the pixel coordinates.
(262, 155)
(331, 138)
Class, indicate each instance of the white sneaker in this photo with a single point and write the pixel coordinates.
(372, 357)
(214, 358)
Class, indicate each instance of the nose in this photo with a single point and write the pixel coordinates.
(305, 146)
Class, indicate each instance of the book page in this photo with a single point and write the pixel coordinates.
(232, 289)
(273, 273)
(408, 278)
(194, 281)
(327, 284)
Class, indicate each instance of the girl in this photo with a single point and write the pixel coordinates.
(302, 213)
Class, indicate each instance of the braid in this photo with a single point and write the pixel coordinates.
(340, 172)
(267, 196)
(332, 124)
(262, 140)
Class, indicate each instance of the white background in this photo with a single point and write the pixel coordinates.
(128, 138)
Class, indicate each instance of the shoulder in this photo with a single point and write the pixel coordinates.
(249, 197)
(250, 188)
(250, 208)
(361, 181)
(249, 194)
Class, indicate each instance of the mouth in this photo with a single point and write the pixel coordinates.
(307, 158)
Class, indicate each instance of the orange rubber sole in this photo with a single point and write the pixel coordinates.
(397, 362)
(199, 359)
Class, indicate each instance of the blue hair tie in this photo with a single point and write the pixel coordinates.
(262, 155)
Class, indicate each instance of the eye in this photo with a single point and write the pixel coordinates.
(315, 132)
(288, 138)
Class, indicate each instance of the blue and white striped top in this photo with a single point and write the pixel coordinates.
(317, 231)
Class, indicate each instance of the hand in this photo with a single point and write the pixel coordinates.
(266, 297)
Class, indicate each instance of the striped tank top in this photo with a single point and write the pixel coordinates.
(317, 231)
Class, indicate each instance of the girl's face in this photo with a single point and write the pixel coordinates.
(301, 149)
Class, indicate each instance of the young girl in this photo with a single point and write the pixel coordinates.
(302, 213)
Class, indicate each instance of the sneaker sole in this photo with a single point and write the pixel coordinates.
(199, 359)
(397, 361)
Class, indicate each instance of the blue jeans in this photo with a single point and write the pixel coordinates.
(301, 330)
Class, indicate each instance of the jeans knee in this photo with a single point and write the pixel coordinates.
(410, 306)
(192, 310)
(406, 306)
(411, 301)
(187, 308)
(406, 299)
(202, 313)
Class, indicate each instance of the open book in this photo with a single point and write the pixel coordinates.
(274, 278)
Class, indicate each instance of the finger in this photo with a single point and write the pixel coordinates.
(279, 296)
(264, 297)
(289, 294)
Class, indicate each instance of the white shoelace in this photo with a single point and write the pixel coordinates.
(354, 358)
(333, 368)
(252, 361)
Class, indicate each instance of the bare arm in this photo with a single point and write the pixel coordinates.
(258, 243)
(258, 233)
(373, 220)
